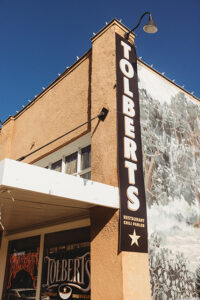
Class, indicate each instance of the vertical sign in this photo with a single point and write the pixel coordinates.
(133, 218)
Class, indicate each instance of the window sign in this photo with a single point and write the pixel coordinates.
(22, 269)
(66, 265)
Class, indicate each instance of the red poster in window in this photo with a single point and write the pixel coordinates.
(25, 264)
(22, 269)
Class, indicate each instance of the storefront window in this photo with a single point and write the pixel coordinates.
(22, 269)
(66, 265)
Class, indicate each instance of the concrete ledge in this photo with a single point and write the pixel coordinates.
(25, 177)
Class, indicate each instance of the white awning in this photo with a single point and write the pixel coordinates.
(32, 196)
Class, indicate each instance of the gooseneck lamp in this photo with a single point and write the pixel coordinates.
(150, 27)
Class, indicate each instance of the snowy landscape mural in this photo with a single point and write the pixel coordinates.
(170, 125)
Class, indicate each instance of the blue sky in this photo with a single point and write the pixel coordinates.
(40, 38)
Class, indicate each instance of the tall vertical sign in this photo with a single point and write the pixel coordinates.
(133, 217)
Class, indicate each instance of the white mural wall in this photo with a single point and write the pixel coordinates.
(170, 124)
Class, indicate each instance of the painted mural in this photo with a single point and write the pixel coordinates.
(170, 124)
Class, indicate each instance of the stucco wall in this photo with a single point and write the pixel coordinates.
(62, 107)
(6, 134)
(113, 275)
(104, 94)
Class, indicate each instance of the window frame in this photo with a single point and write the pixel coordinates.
(66, 151)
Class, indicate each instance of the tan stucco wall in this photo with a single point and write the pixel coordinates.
(106, 264)
(114, 275)
(136, 276)
(62, 107)
(104, 137)
(6, 135)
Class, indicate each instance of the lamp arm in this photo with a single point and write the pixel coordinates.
(138, 24)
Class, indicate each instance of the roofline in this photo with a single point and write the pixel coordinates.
(53, 83)
(168, 79)
(81, 59)
(74, 65)
(111, 23)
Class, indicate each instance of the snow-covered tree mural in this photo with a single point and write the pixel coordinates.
(170, 124)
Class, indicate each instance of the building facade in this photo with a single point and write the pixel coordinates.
(60, 203)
